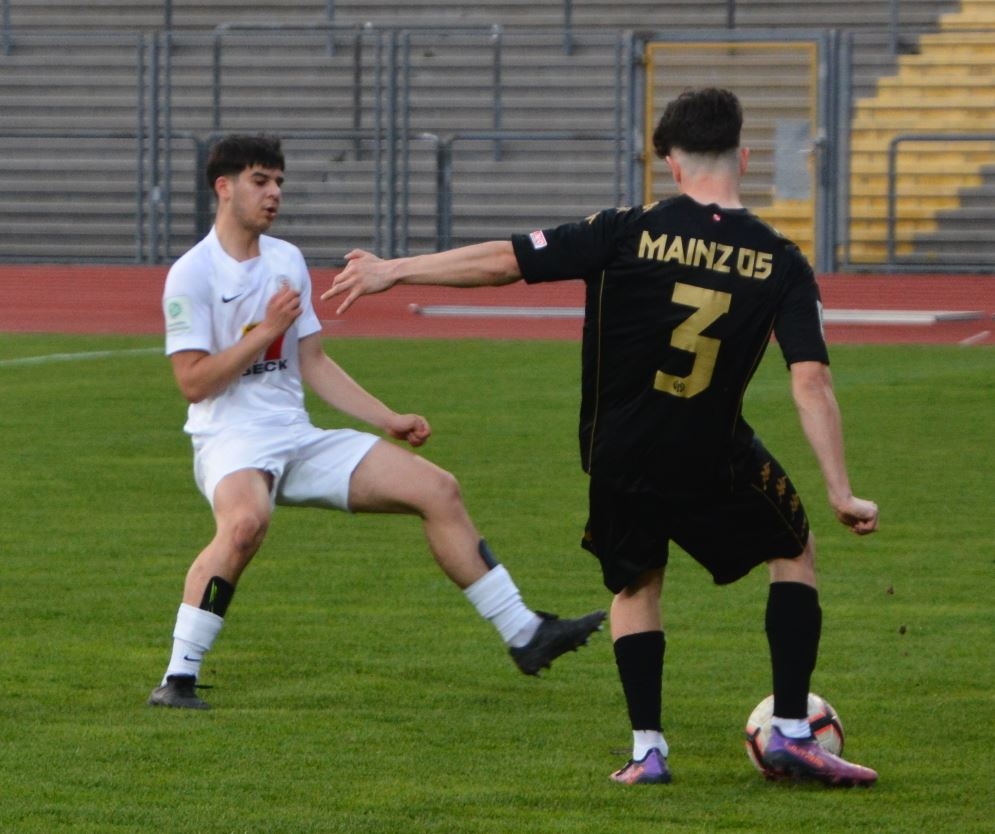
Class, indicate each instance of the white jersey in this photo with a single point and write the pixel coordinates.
(211, 301)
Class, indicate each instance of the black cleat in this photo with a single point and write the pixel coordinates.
(177, 691)
(553, 638)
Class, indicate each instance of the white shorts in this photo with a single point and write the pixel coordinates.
(311, 467)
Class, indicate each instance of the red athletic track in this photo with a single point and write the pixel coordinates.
(126, 300)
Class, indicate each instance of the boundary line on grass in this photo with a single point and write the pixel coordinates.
(75, 357)
(833, 316)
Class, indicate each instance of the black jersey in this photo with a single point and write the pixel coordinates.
(682, 299)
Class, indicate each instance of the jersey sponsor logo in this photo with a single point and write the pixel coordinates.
(272, 358)
(538, 240)
(265, 367)
(178, 317)
(275, 350)
(227, 299)
(707, 254)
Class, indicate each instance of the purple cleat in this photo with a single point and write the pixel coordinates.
(651, 769)
(804, 758)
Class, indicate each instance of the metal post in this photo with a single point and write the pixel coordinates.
(216, 83)
(378, 146)
(892, 198)
(330, 17)
(568, 35)
(202, 197)
(167, 148)
(730, 14)
(391, 142)
(893, 26)
(637, 114)
(405, 108)
(154, 188)
(823, 150)
(357, 90)
(6, 41)
(497, 40)
(443, 194)
(140, 152)
(842, 142)
(619, 118)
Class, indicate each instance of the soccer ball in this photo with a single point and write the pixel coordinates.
(822, 718)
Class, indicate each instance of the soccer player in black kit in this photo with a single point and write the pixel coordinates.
(682, 298)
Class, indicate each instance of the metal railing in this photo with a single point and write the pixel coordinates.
(167, 12)
(390, 124)
(396, 43)
(444, 165)
(356, 33)
(568, 26)
(69, 136)
(893, 145)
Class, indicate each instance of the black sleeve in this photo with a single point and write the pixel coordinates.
(798, 326)
(573, 250)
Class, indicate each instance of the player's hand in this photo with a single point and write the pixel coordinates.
(364, 274)
(412, 428)
(859, 514)
(283, 309)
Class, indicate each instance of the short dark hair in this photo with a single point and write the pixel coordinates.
(703, 121)
(233, 154)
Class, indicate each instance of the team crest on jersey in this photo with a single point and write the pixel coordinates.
(178, 316)
(538, 240)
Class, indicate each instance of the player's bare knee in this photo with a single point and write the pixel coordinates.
(800, 568)
(246, 532)
(443, 493)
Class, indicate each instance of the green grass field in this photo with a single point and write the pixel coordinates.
(356, 691)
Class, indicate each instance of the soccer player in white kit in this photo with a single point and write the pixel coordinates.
(243, 338)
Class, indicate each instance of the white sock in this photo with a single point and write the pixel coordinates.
(792, 727)
(645, 740)
(497, 599)
(193, 635)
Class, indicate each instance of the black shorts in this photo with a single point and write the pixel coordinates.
(755, 517)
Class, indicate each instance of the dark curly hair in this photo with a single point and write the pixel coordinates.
(233, 154)
(704, 121)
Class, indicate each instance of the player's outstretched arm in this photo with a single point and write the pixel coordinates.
(812, 389)
(330, 382)
(481, 264)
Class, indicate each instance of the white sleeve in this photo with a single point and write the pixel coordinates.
(308, 322)
(186, 306)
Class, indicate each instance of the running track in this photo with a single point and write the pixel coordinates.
(126, 300)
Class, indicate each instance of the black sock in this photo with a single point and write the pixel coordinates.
(217, 596)
(794, 625)
(639, 658)
(487, 555)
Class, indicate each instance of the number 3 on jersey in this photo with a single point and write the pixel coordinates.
(709, 306)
